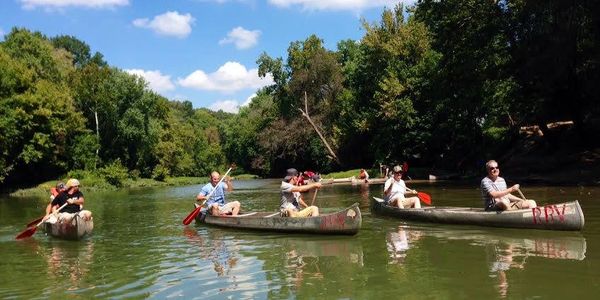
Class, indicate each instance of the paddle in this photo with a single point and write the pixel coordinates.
(31, 230)
(521, 194)
(34, 222)
(424, 197)
(314, 197)
(196, 211)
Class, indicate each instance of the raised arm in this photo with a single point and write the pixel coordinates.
(306, 188)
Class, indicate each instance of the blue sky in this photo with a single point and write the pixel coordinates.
(203, 51)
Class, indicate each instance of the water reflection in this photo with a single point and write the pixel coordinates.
(69, 263)
(510, 251)
(308, 261)
(399, 241)
(254, 263)
(548, 244)
(504, 257)
(217, 250)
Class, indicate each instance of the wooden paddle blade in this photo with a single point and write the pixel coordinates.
(27, 233)
(34, 222)
(405, 167)
(192, 216)
(424, 197)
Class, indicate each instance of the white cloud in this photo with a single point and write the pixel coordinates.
(229, 78)
(31, 4)
(156, 81)
(354, 5)
(242, 38)
(2, 33)
(248, 100)
(170, 23)
(230, 106)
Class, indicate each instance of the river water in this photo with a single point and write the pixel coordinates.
(140, 249)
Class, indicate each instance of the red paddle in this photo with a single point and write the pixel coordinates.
(424, 197)
(192, 216)
(34, 222)
(196, 211)
(31, 230)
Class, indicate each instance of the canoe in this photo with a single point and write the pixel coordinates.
(347, 221)
(349, 180)
(74, 230)
(562, 216)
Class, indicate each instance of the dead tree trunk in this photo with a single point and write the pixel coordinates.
(305, 114)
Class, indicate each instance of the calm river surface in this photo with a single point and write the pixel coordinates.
(140, 249)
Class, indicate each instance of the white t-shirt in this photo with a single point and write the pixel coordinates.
(398, 188)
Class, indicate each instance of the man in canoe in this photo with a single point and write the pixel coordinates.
(394, 191)
(74, 199)
(495, 194)
(290, 196)
(216, 204)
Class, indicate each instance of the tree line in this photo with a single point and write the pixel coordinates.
(63, 109)
(441, 83)
(444, 84)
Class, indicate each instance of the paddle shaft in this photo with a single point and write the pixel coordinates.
(521, 194)
(314, 197)
(58, 210)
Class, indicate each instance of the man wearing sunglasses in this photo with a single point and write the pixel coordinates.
(496, 195)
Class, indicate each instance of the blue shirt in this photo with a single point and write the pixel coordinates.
(218, 196)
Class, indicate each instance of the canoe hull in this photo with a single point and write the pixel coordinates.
(562, 216)
(74, 230)
(347, 222)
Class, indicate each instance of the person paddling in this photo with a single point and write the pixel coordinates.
(216, 203)
(496, 195)
(291, 202)
(60, 188)
(394, 191)
(74, 199)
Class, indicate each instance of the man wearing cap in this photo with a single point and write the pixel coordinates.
(290, 196)
(74, 199)
(394, 190)
(216, 204)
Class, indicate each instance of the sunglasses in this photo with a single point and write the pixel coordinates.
(494, 168)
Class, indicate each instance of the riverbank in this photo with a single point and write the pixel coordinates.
(95, 184)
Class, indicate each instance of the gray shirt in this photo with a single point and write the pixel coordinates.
(487, 186)
(288, 199)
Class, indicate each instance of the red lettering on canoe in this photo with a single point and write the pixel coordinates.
(536, 213)
(333, 221)
(550, 211)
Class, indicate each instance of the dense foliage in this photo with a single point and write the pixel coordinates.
(63, 109)
(443, 83)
